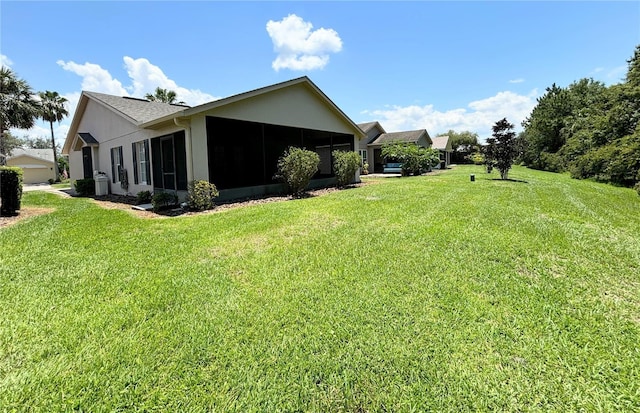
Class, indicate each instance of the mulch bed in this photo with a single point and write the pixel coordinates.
(126, 202)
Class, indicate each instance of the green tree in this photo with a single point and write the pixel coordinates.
(506, 149)
(53, 110)
(18, 108)
(164, 96)
(11, 142)
(463, 144)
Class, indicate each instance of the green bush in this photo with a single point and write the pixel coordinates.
(143, 197)
(164, 200)
(201, 194)
(638, 188)
(476, 158)
(10, 190)
(345, 165)
(296, 167)
(415, 159)
(85, 187)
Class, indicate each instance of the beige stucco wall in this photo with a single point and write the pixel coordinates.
(297, 106)
(35, 171)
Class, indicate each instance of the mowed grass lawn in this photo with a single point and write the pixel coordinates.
(428, 293)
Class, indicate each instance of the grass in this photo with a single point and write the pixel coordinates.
(412, 294)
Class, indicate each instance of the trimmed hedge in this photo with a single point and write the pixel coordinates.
(296, 167)
(85, 187)
(10, 190)
(345, 165)
(201, 194)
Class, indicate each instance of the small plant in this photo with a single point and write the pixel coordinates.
(296, 167)
(345, 165)
(51, 181)
(200, 195)
(476, 158)
(164, 200)
(85, 187)
(10, 190)
(638, 188)
(365, 168)
(143, 197)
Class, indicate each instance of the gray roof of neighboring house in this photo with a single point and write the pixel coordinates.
(408, 136)
(140, 110)
(45, 154)
(367, 125)
(441, 143)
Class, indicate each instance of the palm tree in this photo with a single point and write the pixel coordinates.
(53, 110)
(18, 107)
(164, 96)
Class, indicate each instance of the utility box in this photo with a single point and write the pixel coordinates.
(102, 184)
(473, 177)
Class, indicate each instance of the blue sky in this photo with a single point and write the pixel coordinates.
(410, 65)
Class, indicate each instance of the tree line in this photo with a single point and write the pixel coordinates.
(588, 129)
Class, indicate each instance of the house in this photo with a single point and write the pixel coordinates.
(233, 142)
(372, 131)
(37, 164)
(419, 137)
(443, 145)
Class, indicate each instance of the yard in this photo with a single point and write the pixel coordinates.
(405, 294)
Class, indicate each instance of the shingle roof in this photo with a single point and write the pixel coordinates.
(46, 154)
(140, 110)
(441, 143)
(366, 126)
(407, 136)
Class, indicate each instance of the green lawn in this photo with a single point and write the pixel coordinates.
(413, 294)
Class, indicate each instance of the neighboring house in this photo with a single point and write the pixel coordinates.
(233, 142)
(372, 131)
(37, 164)
(419, 137)
(443, 144)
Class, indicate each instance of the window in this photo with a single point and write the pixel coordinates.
(141, 164)
(116, 164)
(363, 155)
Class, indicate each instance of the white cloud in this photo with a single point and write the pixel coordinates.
(298, 46)
(146, 77)
(518, 80)
(478, 117)
(617, 74)
(95, 78)
(5, 61)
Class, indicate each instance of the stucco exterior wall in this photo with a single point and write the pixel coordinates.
(35, 171)
(296, 106)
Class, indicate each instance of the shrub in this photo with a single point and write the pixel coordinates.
(10, 190)
(51, 181)
(143, 197)
(201, 194)
(296, 167)
(476, 158)
(345, 165)
(414, 159)
(365, 168)
(85, 187)
(164, 200)
(638, 188)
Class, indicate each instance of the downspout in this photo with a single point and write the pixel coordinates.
(187, 146)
